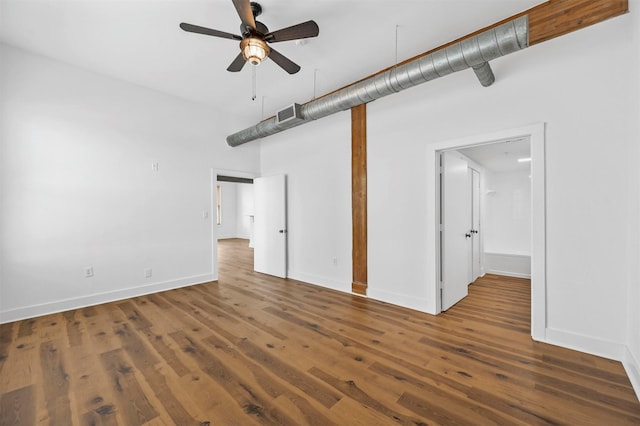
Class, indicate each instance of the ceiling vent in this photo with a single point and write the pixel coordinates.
(291, 113)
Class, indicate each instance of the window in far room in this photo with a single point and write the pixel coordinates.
(218, 205)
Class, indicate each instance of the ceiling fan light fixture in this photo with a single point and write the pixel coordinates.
(254, 50)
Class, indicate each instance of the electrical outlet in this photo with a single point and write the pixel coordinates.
(148, 273)
(88, 271)
(205, 214)
(335, 261)
(155, 167)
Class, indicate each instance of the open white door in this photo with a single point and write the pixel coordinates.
(456, 236)
(270, 225)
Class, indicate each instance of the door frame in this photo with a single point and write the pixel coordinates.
(477, 237)
(536, 135)
(213, 229)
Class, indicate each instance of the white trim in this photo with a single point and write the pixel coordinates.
(100, 298)
(632, 367)
(342, 286)
(586, 344)
(536, 134)
(495, 253)
(406, 301)
(507, 273)
(213, 226)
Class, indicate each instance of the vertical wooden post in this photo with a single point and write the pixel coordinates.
(359, 197)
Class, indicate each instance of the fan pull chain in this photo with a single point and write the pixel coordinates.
(253, 83)
(315, 78)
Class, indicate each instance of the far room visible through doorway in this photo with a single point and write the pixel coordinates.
(534, 134)
(232, 206)
(485, 215)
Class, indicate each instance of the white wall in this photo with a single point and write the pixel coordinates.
(77, 186)
(579, 85)
(228, 227)
(632, 358)
(237, 205)
(507, 212)
(507, 223)
(316, 158)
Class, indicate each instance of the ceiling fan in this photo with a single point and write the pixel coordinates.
(256, 35)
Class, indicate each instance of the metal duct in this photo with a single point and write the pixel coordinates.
(484, 74)
(474, 52)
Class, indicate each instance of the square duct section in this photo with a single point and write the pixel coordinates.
(290, 114)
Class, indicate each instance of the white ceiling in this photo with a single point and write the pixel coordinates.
(139, 41)
(501, 157)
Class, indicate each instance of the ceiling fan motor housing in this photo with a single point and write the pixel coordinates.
(256, 9)
(261, 29)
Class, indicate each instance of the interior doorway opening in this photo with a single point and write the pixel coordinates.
(232, 207)
(438, 153)
(234, 197)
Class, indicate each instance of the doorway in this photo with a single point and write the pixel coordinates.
(485, 213)
(535, 134)
(232, 207)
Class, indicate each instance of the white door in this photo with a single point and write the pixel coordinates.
(270, 225)
(456, 237)
(475, 225)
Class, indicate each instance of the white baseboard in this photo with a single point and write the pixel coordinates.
(345, 287)
(508, 273)
(96, 299)
(606, 349)
(587, 344)
(411, 302)
(632, 367)
(342, 286)
(510, 265)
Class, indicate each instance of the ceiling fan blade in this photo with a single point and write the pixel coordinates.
(208, 31)
(243, 7)
(237, 63)
(285, 63)
(294, 32)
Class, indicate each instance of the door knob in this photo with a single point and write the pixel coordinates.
(282, 231)
(467, 235)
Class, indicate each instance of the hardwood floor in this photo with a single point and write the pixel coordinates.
(254, 349)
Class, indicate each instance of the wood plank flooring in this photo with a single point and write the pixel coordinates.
(253, 349)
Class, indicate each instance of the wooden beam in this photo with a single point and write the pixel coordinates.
(559, 17)
(359, 197)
